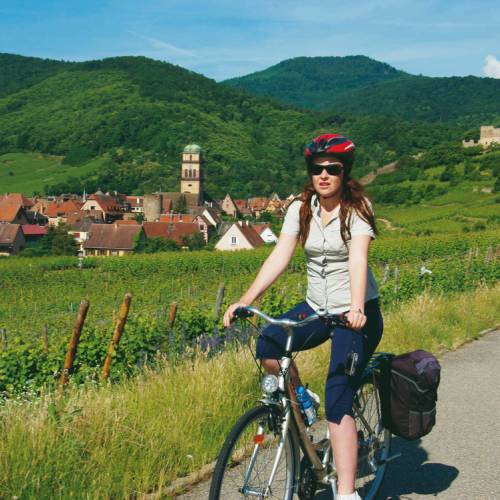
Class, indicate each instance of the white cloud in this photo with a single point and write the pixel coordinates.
(160, 49)
(161, 45)
(491, 67)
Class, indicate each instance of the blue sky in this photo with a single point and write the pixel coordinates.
(226, 38)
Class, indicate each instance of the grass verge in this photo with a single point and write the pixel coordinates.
(126, 440)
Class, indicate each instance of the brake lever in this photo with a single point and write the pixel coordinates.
(242, 313)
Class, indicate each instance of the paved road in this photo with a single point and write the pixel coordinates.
(460, 458)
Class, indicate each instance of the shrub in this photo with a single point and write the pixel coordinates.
(79, 155)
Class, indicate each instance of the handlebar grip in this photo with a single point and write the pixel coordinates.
(242, 313)
(341, 320)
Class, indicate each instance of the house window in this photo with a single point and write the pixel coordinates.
(114, 252)
(233, 240)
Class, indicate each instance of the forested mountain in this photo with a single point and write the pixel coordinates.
(137, 114)
(359, 85)
(18, 72)
(310, 82)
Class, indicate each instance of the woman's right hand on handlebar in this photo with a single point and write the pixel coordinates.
(229, 314)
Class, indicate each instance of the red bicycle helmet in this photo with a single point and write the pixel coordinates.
(331, 144)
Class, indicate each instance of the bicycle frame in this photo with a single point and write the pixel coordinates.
(292, 420)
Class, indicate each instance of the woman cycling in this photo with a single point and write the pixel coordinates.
(334, 222)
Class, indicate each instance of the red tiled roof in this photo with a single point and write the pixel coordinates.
(8, 212)
(170, 230)
(8, 233)
(127, 222)
(177, 218)
(62, 209)
(34, 230)
(241, 203)
(260, 228)
(112, 236)
(16, 199)
(251, 235)
(245, 211)
(107, 203)
(258, 203)
(135, 201)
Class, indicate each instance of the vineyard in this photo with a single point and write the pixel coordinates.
(39, 299)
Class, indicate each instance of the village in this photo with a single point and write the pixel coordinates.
(114, 224)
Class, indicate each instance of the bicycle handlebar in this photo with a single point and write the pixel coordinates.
(334, 319)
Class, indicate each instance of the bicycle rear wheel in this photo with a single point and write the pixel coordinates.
(374, 440)
(247, 457)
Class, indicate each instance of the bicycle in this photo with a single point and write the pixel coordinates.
(270, 453)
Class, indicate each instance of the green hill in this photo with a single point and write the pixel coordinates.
(19, 72)
(135, 115)
(29, 172)
(468, 99)
(360, 85)
(314, 82)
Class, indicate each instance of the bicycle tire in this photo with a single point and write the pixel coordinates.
(373, 448)
(236, 453)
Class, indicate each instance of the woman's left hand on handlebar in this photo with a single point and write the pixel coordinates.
(229, 314)
(356, 319)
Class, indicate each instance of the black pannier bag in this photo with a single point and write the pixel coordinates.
(408, 393)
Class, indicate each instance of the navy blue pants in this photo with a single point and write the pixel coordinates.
(340, 388)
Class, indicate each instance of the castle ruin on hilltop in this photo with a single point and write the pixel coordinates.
(488, 136)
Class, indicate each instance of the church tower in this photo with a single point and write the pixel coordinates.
(191, 171)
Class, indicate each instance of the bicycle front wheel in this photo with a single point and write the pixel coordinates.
(374, 440)
(249, 456)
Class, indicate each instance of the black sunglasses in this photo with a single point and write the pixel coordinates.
(331, 168)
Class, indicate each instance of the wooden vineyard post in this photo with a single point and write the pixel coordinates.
(45, 338)
(396, 280)
(172, 314)
(117, 334)
(386, 274)
(489, 254)
(219, 299)
(73, 343)
(3, 335)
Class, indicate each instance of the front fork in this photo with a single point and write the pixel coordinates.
(284, 427)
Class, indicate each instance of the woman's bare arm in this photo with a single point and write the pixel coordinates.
(358, 273)
(270, 271)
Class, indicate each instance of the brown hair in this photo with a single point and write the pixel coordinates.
(353, 198)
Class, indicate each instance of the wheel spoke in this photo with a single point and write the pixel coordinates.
(245, 465)
(374, 441)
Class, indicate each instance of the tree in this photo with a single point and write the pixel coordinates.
(181, 205)
(194, 241)
(57, 241)
(155, 245)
